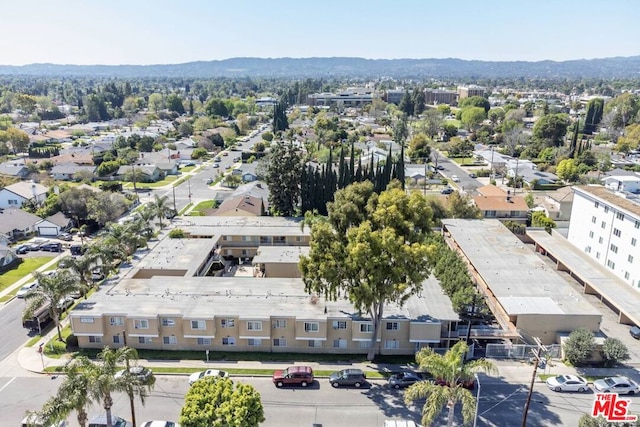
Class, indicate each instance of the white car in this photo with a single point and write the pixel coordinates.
(567, 383)
(455, 178)
(208, 373)
(26, 290)
(160, 424)
(620, 385)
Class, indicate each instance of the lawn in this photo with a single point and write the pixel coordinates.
(186, 208)
(28, 265)
(168, 180)
(187, 168)
(199, 209)
(589, 378)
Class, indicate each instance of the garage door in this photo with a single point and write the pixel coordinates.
(48, 231)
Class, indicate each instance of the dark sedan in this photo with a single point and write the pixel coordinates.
(405, 379)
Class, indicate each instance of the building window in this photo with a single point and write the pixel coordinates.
(224, 238)
(228, 341)
(490, 214)
(591, 234)
(116, 339)
(392, 344)
(633, 241)
(279, 342)
(141, 324)
(246, 238)
(298, 239)
(614, 249)
(86, 320)
(588, 249)
(606, 209)
(172, 340)
(198, 324)
(168, 321)
(637, 224)
(630, 259)
(339, 343)
(603, 225)
(600, 240)
(205, 341)
(364, 344)
(254, 342)
(596, 204)
(620, 216)
(116, 321)
(611, 264)
(228, 323)
(366, 328)
(280, 324)
(144, 340)
(597, 255)
(593, 219)
(616, 232)
(311, 326)
(95, 339)
(339, 324)
(314, 343)
(254, 325)
(626, 275)
(392, 326)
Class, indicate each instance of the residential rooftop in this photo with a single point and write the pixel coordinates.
(185, 255)
(611, 197)
(280, 254)
(242, 226)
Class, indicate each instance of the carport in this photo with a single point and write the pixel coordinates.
(596, 279)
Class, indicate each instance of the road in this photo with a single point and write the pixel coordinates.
(466, 183)
(14, 335)
(501, 403)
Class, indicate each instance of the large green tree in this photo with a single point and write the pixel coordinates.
(451, 371)
(221, 402)
(579, 346)
(551, 129)
(370, 250)
(472, 117)
(284, 169)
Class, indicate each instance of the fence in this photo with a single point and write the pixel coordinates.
(519, 351)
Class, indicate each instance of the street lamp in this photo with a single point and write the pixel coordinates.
(475, 418)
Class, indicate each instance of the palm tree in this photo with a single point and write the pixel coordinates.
(82, 267)
(452, 371)
(161, 208)
(82, 231)
(51, 290)
(125, 237)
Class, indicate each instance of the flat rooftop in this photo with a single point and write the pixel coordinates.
(610, 197)
(242, 226)
(280, 254)
(607, 284)
(521, 282)
(178, 254)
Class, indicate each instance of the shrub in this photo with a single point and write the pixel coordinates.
(176, 233)
(579, 346)
(614, 351)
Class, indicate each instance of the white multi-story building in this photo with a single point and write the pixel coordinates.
(606, 225)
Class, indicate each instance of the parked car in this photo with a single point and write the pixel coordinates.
(27, 290)
(22, 249)
(142, 374)
(51, 247)
(405, 379)
(455, 178)
(350, 377)
(65, 236)
(208, 373)
(217, 159)
(447, 190)
(97, 274)
(34, 246)
(35, 421)
(473, 175)
(208, 181)
(634, 331)
(567, 383)
(215, 166)
(440, 167)
(77, 250)
(101, 421)
(620, 385)
(293, 375)
(160, 424)
(65, 302)
(468, 384)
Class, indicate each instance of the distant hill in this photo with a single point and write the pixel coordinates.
(606, 68)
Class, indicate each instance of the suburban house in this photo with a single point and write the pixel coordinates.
(623, 182)
(15, 195)
(167, 165)
(70, 171)
(18, 224)
(147, 173)
(530, 176)
(54, 225)
(241, 205)
(556, 204)
(14, 168)
(7, 256)
(494, 202)
(80, 157)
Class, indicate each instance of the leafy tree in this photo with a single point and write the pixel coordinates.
(587, 420)
(551, 129)
(472, 117)
(51, 290)
(174, 103)
(221, 402)
(614, 351)
(106, 207)
(419, 148)
(259, 147)
(284, 168)
(475, 101)
(267, 136)
(630, 140)
(579, 346)
(280, 122)
(496, 115)
(540, 219)
(370, 250)
(156, 102)
(567, 170)
(199, 153)
(185, 129)
(528, 198)
(176, 233)
(406, 104)
(451, 369)
(74, 203)
(431, 122)
(624, 108)
(462, 207)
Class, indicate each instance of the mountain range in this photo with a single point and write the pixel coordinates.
(604, 68)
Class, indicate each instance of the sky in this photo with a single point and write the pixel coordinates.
(113, 32)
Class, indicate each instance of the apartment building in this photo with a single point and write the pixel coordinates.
(352, 97)
(440, 96)
(469, 91)
(605, 224)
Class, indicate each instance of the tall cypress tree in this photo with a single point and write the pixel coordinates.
(341, 172)
(352, 163)
(400, 167)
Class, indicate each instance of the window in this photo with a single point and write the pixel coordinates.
(198, 324)
(265, 240)
(254, 342)
(633, 241)
(279, 342)
(611, 264)
(591, 234)
(339, 343)
(228, 341)
(630, 259)
(224, 238)
(245, 252)
(392, 344)
(95, 339)
(298, 239)
(13, 202)
(116, 339)
(314, 343)
(392, 326)
(593, 219)
(311, 326)
(606, 209)
(246, 238)
(364, 344)
(172, 340)
(490, 214)
(86, 320)
(116, 321)
(280, 324)
(614, 249)
(603, 225)
(588, 249)
(596, 204)
(597, 255)
(600, 240)
(616, 232)
(366, 328)
(227, 323)
(254, 325)
(203, 341)
(339, 324)
(620, 216)
(144, 340)
(141, 324)
(168, 321)
(637, 225)
(626, 275)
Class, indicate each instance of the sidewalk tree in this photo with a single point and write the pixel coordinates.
(614, 351)
(452, 370)
(221, 402)
(370, 250)
(160, 206)
(51, 290)
(82, 267)
(579, 346)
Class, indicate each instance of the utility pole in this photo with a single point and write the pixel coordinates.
(536, 354)
(129, 391)
(174, 199)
